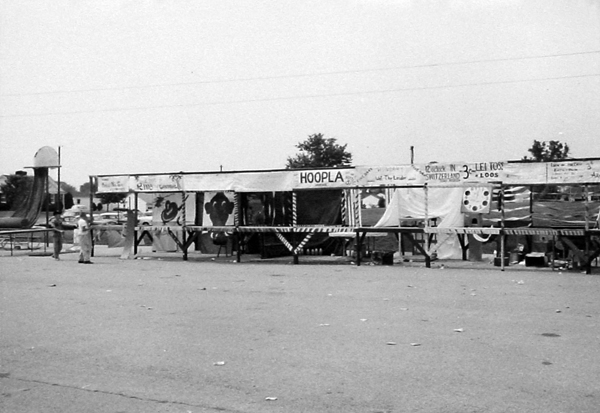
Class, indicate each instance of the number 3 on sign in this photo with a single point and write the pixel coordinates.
(466, 171)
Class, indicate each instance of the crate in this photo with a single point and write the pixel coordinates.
(535, 260)
(383, 257)
(498, 262)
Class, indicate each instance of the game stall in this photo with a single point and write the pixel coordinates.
(443, 210)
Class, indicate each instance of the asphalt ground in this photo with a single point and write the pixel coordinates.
(164, 335)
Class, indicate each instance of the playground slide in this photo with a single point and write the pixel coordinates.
(28, 208)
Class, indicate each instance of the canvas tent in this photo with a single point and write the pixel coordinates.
(441, 204)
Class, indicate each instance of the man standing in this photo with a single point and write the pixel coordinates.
(57, 235)
(85, 239)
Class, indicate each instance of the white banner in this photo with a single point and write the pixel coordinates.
(573, 171)
(325, 178)
(443, 174)
(399, 175)
(113, 184)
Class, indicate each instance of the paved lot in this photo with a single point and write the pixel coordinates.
(171, 336)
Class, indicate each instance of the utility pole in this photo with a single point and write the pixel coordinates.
(59, 205)
(412, 154)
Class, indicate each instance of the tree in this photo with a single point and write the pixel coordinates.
(548, 151)
(69, 200)
(85, 189)
(317, 151)
(111, 198)
(66, 188)
(16, 188)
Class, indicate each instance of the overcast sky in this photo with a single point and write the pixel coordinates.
(164, 86)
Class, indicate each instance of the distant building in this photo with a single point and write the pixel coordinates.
(373, 201)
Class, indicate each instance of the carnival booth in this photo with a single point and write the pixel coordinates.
(443, 210)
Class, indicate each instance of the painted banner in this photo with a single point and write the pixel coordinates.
(399, 175)
(573, 171)
(218, 209)
(443, 174)
(432, 173)
(565, 172)
(168, 209)
(113, 184)
(324, 178)
(275, 181)
(157, 183)
(463, 172)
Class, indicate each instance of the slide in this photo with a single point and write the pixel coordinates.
(27, 210)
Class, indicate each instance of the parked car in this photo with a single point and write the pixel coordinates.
(145, 218)
(110, 218)
(70, 217)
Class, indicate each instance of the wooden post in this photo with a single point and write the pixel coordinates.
(59, 201)
(552, 257)
(46, 204)
(238, 220)
(295, 246)
(92, 192)
(502, 235)
(588, 264)
(135, 240)
(400, 242)
(426, 190)
(238, 251)
(358, 247)
(184, 228)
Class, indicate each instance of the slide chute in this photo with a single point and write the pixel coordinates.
(27, 209)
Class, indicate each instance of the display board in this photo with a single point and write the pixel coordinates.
(168, 209)
(218, 209)
(476, 200)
